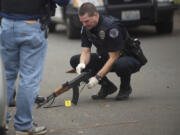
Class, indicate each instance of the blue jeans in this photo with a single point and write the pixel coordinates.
(23, 48)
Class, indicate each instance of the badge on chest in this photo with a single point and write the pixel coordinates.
(102, 34)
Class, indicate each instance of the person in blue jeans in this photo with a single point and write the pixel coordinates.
(23, 45)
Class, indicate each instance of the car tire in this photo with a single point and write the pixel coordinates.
(163, 28)
(71, 30)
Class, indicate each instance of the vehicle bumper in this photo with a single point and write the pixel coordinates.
(149, 13)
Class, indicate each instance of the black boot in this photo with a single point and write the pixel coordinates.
(3, 131)
(107, 88)
(39, 99)
(125, 88)
(124, 93)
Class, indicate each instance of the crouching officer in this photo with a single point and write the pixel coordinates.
(23, 44)
(109, 37)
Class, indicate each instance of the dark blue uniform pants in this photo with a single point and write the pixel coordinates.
(123, 67)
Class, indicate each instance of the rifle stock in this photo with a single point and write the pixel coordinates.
(60, 90)
(74, 84)
(71, 71)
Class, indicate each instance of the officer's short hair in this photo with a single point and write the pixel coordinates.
(87, 8)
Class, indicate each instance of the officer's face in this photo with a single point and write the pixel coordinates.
(89, 21)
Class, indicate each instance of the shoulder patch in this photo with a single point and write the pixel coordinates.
(114, 33)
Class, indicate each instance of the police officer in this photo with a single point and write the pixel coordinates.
(108, 35)
(23, 44)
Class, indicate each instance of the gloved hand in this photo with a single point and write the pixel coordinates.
(92, 82)
(80, 67)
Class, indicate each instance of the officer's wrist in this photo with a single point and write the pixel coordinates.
(98, 77)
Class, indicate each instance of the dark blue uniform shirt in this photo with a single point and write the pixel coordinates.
(109, 32)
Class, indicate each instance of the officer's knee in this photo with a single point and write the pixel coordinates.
(74, 61)
(126, 65)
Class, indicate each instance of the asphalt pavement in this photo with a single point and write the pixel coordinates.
(153, 108)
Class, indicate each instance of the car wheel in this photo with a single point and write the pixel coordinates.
(71, 30)
(166, 27)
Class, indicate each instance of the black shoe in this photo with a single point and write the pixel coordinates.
(3, 131)
(39, 99)
(124, 93)
(107, 88)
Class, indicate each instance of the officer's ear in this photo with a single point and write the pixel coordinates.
(95, 14)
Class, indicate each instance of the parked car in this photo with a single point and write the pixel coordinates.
(158, 13)
(3, 105)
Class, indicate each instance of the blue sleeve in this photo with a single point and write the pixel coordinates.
(84, 39)
(114, 39)
(62, 2)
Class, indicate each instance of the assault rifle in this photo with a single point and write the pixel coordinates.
(74, 84)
